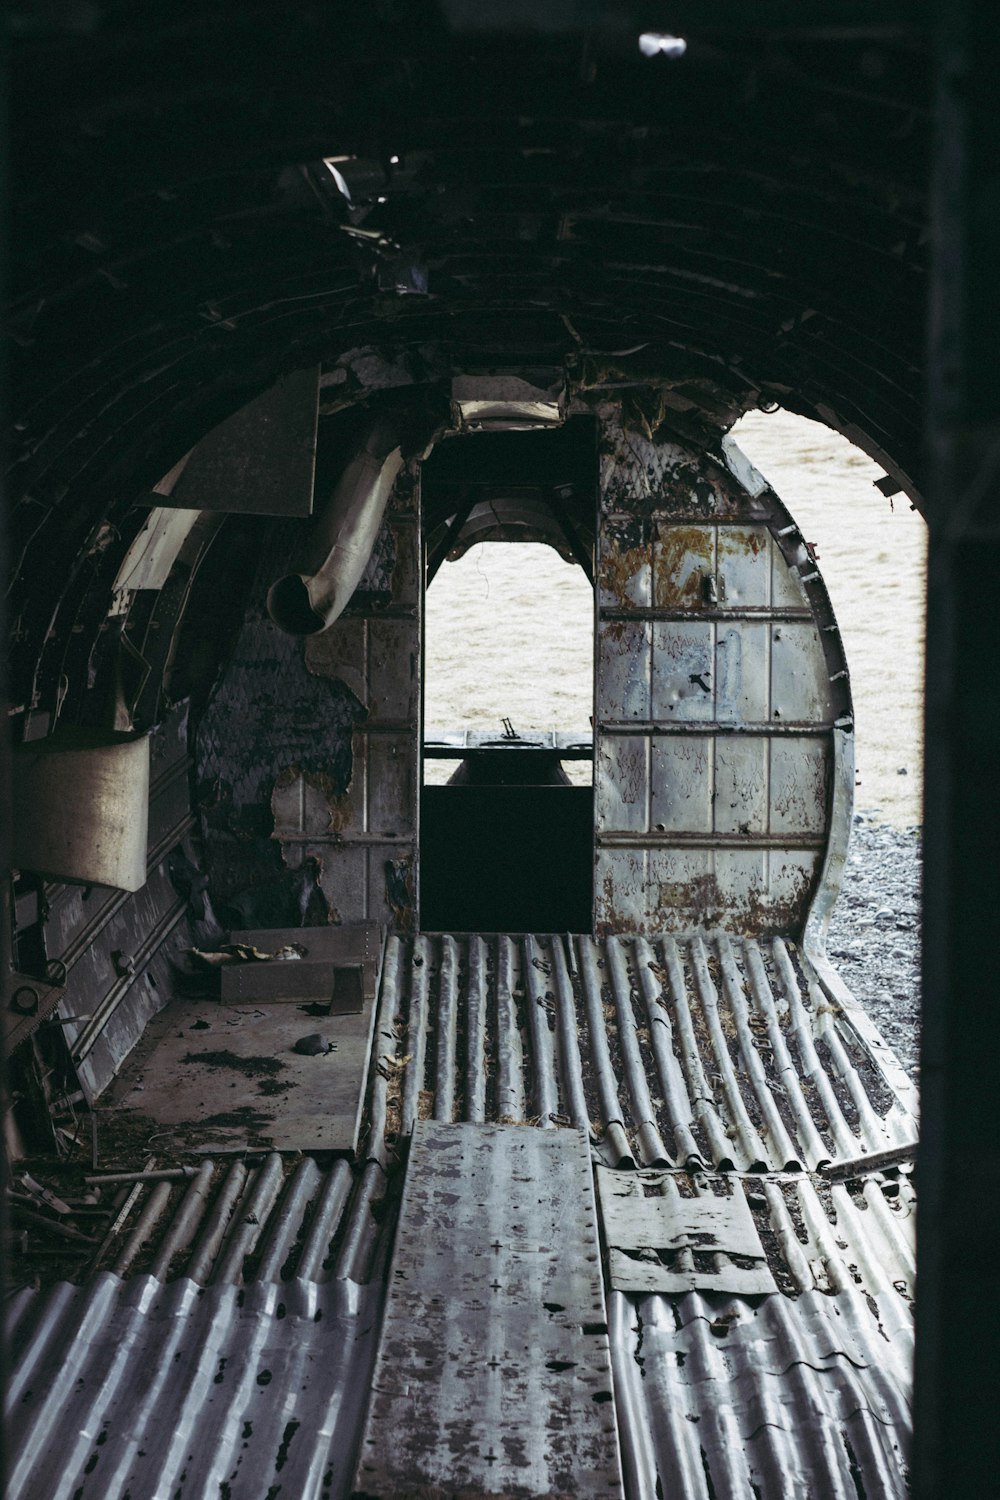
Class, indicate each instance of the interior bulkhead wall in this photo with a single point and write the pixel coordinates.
(308, 749)
(723, 764)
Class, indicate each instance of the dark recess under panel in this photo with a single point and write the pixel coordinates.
(506, 858)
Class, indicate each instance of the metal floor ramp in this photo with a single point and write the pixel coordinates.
(493, 1374)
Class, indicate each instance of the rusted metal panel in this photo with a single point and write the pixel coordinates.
(493, 1373)
(392, 811)
(699, 669)
(662, 1240)
(685, 563)
(260, 461)
(625, 565)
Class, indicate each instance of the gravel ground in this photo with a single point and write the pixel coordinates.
(874, 938)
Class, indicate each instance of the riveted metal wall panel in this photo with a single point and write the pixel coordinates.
(682, 784)
(624, 657)
(683, 672)
(622, 792)
(799, 775)
(800, 687)
(711, 653)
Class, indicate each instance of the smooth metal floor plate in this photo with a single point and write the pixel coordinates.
(217, 1075)
(493, 1374)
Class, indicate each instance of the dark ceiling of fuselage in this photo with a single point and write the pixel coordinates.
(750, 217)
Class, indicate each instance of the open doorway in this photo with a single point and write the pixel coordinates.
(506, 840)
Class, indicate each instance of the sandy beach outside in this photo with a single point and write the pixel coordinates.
(509, 630)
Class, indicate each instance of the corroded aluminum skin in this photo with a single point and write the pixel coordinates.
(719, 689)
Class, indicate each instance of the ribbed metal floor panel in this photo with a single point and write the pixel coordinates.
(678, 1057)
(720, 1399)
(710, 1052)
(140, 1389)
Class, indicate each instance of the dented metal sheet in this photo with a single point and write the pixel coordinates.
(493, 1374)
(662, 1241)
(720, 1397)
(260, 461)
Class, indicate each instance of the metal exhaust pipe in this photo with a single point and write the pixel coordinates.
(334, 558)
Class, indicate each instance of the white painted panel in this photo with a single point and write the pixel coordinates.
(681, 798)
(800, 687)
(741, 782)
(683, 671)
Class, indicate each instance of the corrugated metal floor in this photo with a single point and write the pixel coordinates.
(707, 1051)
(678, 1057)
(140, 1389)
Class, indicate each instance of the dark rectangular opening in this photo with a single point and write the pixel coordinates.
(506, 858)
